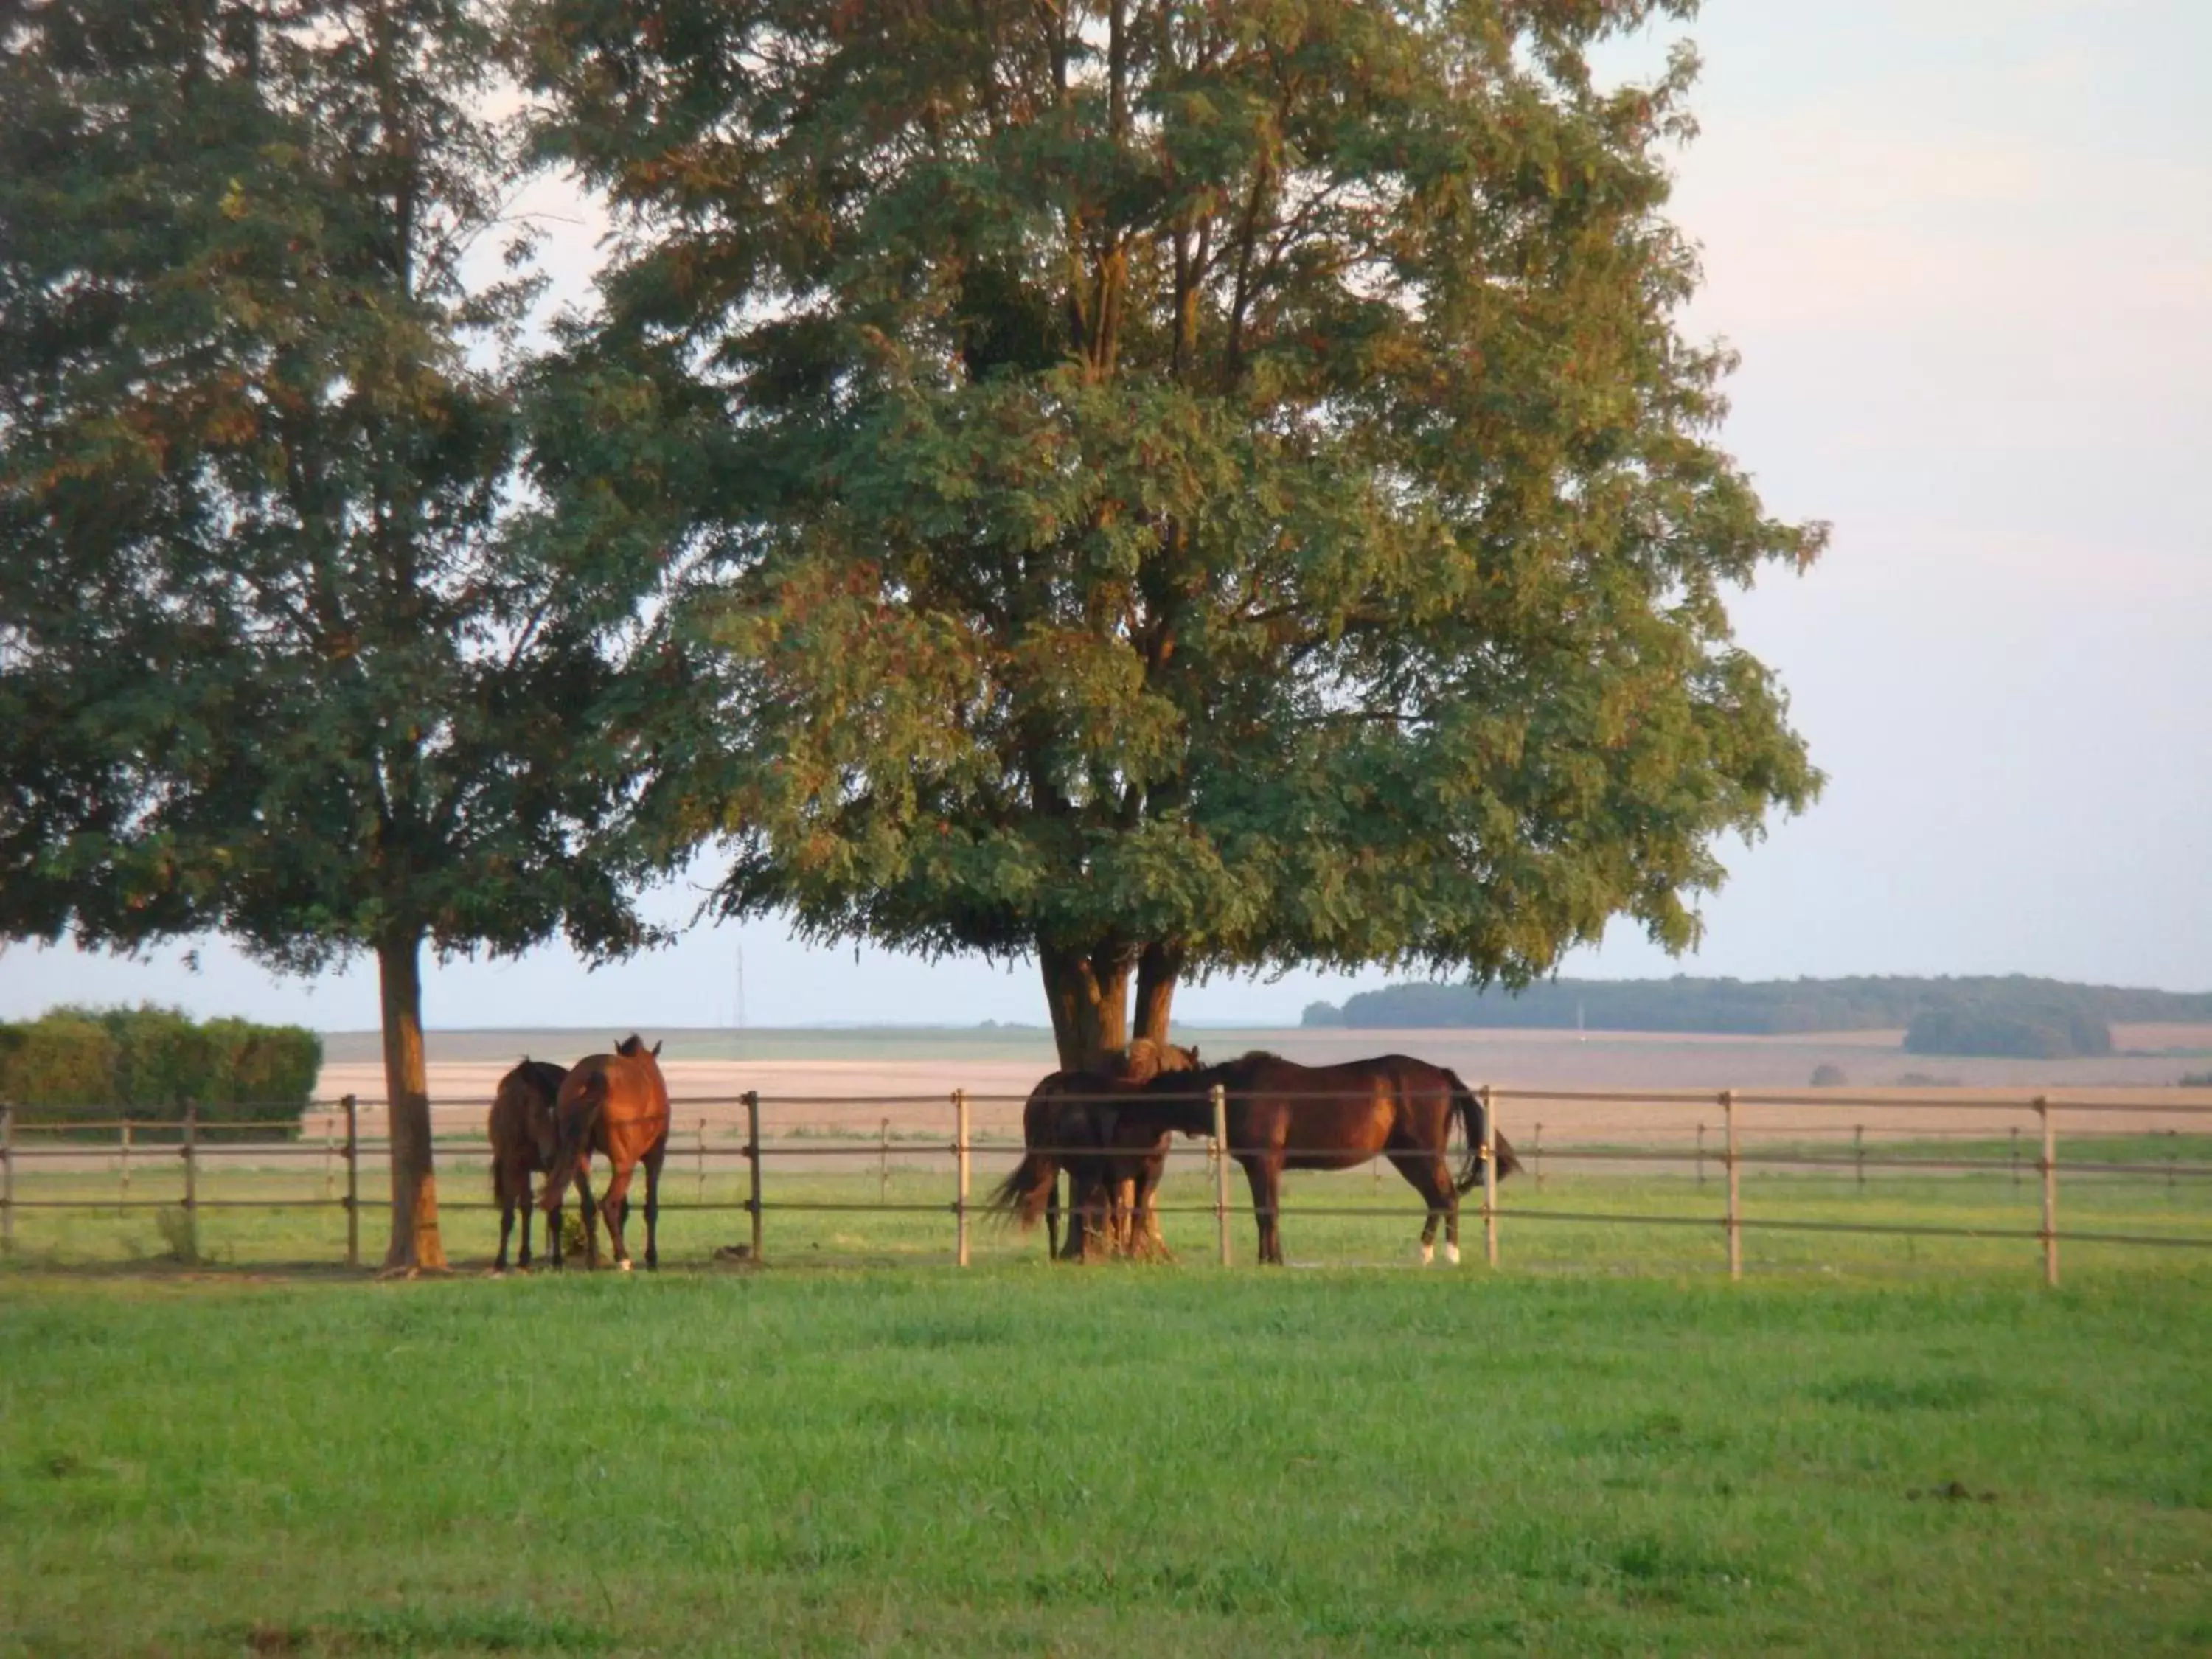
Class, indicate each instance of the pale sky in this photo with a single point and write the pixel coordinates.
(1966, 250)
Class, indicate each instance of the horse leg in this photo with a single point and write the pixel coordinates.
(1152, 1243)
(1124, 1210)
(1267, 1180)
(590, 1218)
(1052, 1220)
(653, 1161)
(507, 1228)
(528, 1211)
(613, 1204)
(1091, 1207)
(1429, 1175)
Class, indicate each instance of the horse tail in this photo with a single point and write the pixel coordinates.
(1025, 1194)
(1469, 1106)
(572, 1137)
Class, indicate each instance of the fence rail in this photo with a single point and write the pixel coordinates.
(344, 1147)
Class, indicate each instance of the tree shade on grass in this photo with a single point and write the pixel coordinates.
(1167, 487)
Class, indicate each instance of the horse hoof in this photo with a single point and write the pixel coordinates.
(624, 1265)
(1451, 1255)
(1428, 1254)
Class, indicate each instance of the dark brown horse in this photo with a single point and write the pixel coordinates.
(1112, 1179)
(1282, 1115)
(615, 1105)
(522, 1145)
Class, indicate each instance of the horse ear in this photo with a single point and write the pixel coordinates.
(656, 1049)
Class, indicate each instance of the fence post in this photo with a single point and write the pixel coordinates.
(702, 1161)
(1540, 1158)
(1735, 1221)
(192, 1181)
(753, 1166)
(1701, 1154)
(1858, 1151)
(329, 1155)
(125, 1159)
(2016, 1155)
(960, 1161)
(1220, 1150)
(2049, 1165)
(353, 1182)
(883, 1167)
(1489, 1178)
(7, 1176)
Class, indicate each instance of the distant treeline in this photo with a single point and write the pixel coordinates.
(150, 1061)
(2011, 1015)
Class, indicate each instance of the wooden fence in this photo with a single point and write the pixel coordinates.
(346, 1151)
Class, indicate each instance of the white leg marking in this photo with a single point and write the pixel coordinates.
(624, 1264)
(1451, 1255)
(1428, 1254)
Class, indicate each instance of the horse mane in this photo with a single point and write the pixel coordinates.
(631, 1047)
(1145, 1058)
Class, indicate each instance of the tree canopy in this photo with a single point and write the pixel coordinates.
(1188, 485)
(275, 658)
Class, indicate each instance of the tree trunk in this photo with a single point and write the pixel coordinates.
(1089, 1000)
(415, 1245)
(1158, 970)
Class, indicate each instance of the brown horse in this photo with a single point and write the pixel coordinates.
(1282, 1115)
(617, 1105)
(1111, 1191)
(521, 1129)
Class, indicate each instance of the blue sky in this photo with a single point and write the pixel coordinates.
(1965, 252)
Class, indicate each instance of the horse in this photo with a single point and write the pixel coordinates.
(521, 1130)
(617, 1105)
(1111, 1191)
(1282, 1115)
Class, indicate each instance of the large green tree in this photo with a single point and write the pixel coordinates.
(1188, 485)
(274, 657)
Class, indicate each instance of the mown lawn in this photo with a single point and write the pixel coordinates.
(1113, 1460)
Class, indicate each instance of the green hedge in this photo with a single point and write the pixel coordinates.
(147, 1062)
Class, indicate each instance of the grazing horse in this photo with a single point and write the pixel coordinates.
(521, 1129)
(1111, 1192)
(617, 1105)
(1282, 1115)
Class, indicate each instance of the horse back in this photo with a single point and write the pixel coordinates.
(522, 1123)
(627, 1098)
(1326, 1117)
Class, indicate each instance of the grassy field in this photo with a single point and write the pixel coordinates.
(1576, 1220)
(1875, 1443)
(1026, 1459)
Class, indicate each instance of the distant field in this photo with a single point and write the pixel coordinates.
(920, 1067)
(1026, 1461)
(2148, 1052)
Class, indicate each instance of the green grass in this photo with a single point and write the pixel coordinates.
(1567, 1223)
(1029, 1460)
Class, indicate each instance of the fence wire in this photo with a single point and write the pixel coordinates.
(201, 1148)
